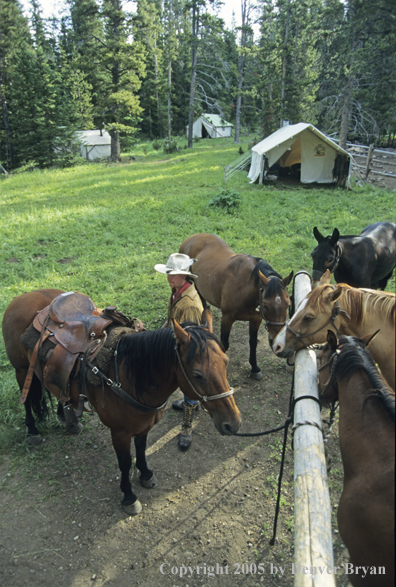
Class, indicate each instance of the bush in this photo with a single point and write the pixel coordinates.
(156, 145)
(227, 199)
(170, 146)
(241, 151)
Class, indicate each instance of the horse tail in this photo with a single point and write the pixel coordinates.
(38, 400)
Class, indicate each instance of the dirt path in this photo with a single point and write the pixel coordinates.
(62, 523)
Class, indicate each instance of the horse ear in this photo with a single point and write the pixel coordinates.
(332, 339)
(319, 237)
(369, 337)
(334, 237)
(207, 320)
(264, 280)
(288, 279)
(181, 335)
(334, 295)
(326, 277)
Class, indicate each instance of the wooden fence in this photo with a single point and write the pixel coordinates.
(312, 511)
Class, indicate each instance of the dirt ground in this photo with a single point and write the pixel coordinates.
(62, 523)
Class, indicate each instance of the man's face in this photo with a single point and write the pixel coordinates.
(176, 281)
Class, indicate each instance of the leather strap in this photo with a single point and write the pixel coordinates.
(29, 375)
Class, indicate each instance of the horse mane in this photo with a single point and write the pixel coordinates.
(354, 355)
(360, 302)
(275, 285)
(145, 355)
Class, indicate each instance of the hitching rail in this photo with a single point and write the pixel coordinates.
(312, 511)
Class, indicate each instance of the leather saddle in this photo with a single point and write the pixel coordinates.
(77, 328)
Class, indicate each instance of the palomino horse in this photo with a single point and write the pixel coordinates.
(345, 310)
(145, 369)
(366, 260)
(238, 284)
(366, 510)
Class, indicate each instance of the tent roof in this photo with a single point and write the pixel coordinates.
(288, 132)
(93, 137)
(216, 120)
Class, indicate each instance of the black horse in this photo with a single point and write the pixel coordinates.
(366, 260)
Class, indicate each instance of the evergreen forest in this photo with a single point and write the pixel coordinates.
(145, 69)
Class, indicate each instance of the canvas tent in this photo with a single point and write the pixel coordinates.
(211, 125)
(301, 148)
(95, 144)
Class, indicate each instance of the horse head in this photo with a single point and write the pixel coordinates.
(201, 373)
(326, 255)
(274, 302)
(307, 326)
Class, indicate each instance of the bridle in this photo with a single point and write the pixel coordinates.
(202, 398)
(332, 362)
(268, 322)
(316, 275)
(335, 312)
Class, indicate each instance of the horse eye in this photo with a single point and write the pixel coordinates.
(330, 259)
(308, 318)
(197, 375)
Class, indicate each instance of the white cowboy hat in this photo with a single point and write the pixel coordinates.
(177, 264)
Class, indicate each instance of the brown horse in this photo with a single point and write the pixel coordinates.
(367, 441)
(238, 284)
(346, 310)
(149, 366)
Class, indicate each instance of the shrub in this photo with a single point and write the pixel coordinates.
(156, 145)
(241, 151)
(227, 199)
(170, 146)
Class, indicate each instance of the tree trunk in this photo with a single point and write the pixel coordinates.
(169, 98)
(241, 67)
(346, 108)
(284, 62)
(194, 53)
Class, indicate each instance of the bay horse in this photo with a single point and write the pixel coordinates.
(366, 260)
(147, 366)
(344, 310)
(239, 284)
(366, 511)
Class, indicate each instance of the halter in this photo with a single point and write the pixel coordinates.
(318, 274)
(336, 311)
(202, 398)
(268, 322)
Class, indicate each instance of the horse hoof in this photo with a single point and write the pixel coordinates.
(257, 376)
(149, 483)
(133, 509)
(75, 428)
(34, 440)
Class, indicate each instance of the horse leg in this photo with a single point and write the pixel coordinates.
(122, 446)
(254, 326)
(33, 400)
(147, 477)
(226, 324)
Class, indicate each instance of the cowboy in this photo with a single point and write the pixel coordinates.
(185, 305)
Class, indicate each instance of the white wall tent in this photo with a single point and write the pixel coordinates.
(211, 125)
(95, 144)
(302, 144)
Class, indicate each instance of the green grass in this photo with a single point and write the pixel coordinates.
(100, 229)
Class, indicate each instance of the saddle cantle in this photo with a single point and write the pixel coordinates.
(76, 327)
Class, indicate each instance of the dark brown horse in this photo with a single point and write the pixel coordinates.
(149, 367)
(239, 284)
(366, 511)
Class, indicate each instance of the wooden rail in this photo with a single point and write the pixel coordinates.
(312, 511)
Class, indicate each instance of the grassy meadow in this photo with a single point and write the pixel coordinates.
(99, 229)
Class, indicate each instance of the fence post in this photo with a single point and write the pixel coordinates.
(312, 511)
(368, 162)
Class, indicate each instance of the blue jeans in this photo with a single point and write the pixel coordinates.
(190, 402)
